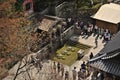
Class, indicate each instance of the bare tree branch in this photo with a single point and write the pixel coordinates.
(17, 71)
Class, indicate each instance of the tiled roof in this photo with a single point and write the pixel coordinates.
(109, 13)
(107, 66)
(46, 24)
(111, 55)
(108, 59)
(114, 44)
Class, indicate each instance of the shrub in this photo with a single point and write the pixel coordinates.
(96, 6)
(19, 5)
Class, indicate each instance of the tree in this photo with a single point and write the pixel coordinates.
(14, 35)
(20, 66)
(19, 5)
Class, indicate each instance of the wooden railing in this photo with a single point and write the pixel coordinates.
(68, 33)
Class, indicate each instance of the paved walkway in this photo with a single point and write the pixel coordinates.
(46, 72)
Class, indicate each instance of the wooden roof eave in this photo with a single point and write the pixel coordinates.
(102, 20)
(111, 56)
(96, 58)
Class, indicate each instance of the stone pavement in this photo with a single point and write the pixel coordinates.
(91, 42)
(47, 71)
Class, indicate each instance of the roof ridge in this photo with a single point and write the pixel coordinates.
(108, 56)
(97, 57)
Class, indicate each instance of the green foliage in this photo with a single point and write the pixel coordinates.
(84, 7)
(81, 3)
(104, 1)
(89, 4)
(96, 6)
(3, 0)
(19, 5)
(96, 1)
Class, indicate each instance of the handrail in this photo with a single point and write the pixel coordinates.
(67, 30)
(42, 49)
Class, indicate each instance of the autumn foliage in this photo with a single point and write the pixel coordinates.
(14, 35)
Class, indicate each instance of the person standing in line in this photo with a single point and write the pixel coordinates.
(100, 76)
(66, 75)
(107, 36)
(81, 25)
(85, 29)
(58, 67)
(91, 55)
(62, 70)
(91, 28)
(104, 36)
(74, 73)
(102, 32)
(95, 29)
(88, 31)
(96, 43)
(99, 31)
(54, 68)
(83, 67)
(79, 74)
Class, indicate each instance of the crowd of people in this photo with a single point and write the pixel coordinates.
(59, 69)
(87, 29)
(82, 74)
